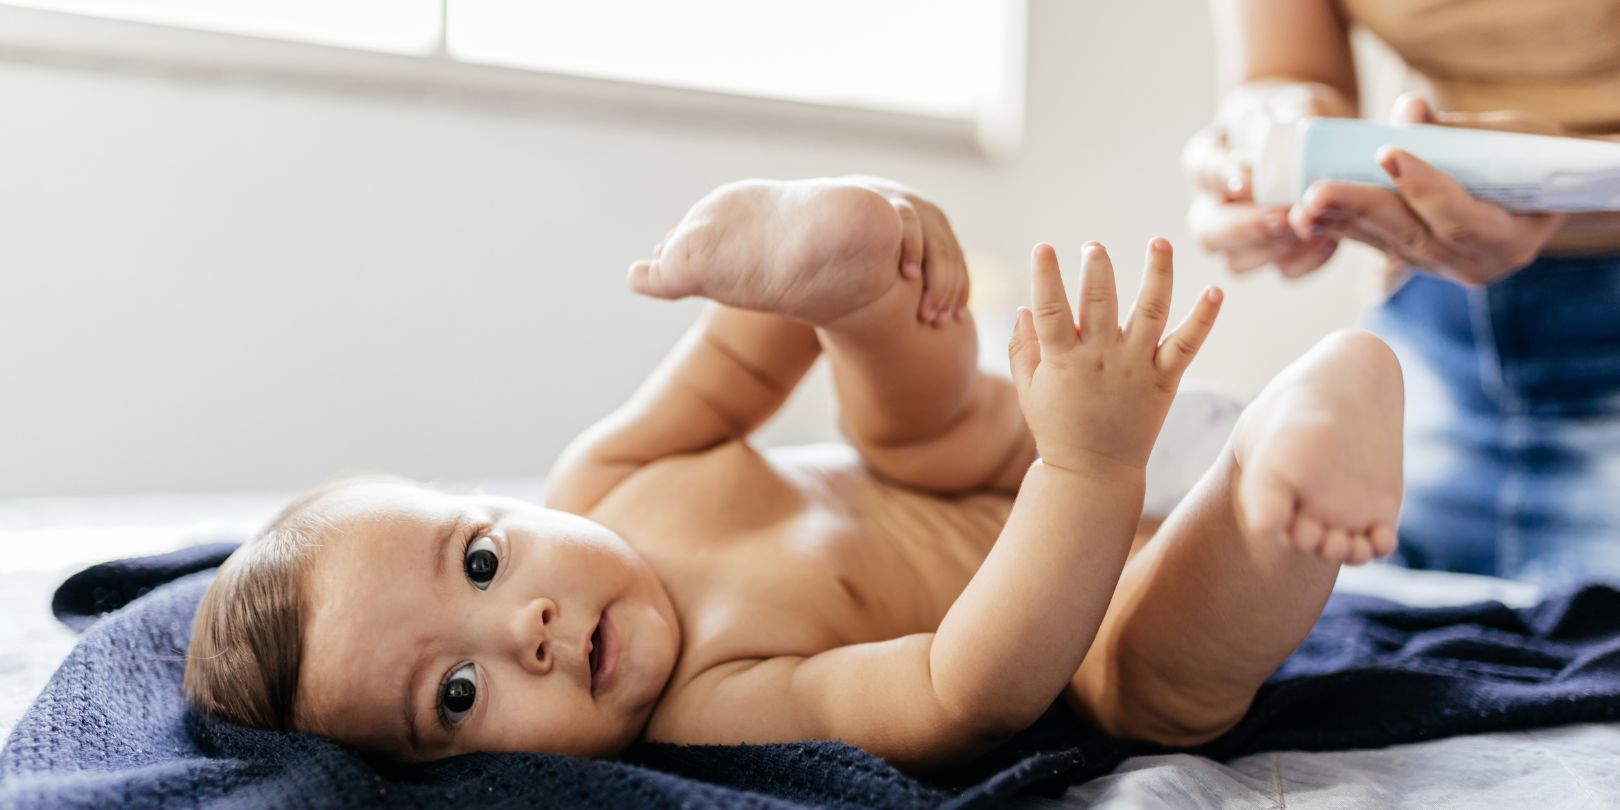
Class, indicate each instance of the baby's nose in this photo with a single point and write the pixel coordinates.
(531, 635)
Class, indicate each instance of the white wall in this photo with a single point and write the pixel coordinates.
(212, 286)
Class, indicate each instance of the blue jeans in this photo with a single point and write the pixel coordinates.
(1512, 421)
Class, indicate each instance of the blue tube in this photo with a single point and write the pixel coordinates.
(1519, 172)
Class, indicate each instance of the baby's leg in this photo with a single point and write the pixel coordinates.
(1238, 574)
(915, 403)
(827, 253)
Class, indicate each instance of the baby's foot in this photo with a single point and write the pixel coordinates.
(1319, 452)
(814, 250)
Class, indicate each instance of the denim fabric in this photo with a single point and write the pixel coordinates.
(1512, 421)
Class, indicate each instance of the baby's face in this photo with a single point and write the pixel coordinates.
(438, 624)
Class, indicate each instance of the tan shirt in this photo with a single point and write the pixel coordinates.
(1557, 58)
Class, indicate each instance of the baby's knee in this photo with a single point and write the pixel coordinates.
(1174, 718)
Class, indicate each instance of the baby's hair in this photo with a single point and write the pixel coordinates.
(247, 644)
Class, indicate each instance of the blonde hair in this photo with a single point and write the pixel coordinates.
(246, 647)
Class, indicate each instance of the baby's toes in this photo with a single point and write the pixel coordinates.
(653, 278)
(1383, 541)
(1335, 545)
(1307, 534)
(1361, 549)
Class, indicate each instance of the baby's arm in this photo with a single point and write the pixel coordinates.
(1095, 396)
(732, 370)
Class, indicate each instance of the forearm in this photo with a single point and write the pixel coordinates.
(1301, 42)
(1018, 632)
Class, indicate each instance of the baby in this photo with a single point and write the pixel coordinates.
(924, 592)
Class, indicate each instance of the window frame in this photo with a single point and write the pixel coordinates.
(72, 40)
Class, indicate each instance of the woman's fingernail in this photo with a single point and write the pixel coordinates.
(1392, 167)
(1277, 224)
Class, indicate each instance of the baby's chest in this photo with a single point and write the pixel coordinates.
(799, 588)
(794, 554)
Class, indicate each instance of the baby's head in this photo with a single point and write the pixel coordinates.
(421, 624)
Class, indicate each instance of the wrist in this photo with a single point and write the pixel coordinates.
(1285, 99)
(1092, 469)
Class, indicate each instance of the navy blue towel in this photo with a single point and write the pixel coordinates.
(110, 729)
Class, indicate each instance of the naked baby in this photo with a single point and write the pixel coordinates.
(930, 588)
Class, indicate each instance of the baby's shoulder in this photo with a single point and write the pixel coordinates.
(731, 483)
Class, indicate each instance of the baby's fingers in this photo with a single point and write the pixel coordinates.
(1152, 310)
(1024, 350)
(1054, 321)
(1178, 350)
(911, 238)
(1099, 303)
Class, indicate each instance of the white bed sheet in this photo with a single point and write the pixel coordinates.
(42, 541)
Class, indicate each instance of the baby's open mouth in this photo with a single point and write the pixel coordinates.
(602, 653)
(593, 656)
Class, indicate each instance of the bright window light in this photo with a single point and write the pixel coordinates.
(938, 58)
(935, 57)
(403, 26)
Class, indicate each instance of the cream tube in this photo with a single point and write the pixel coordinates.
(1518, 172)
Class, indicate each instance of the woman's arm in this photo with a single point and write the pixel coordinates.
(1270, 45)
(1283, 59)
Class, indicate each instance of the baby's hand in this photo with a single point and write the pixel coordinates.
(1095, 394)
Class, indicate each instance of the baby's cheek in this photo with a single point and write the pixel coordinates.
(539, 720)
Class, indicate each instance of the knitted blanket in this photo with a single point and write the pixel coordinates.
(111, 729)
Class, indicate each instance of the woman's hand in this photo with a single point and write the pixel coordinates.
(1429, 220)
(1224, 217)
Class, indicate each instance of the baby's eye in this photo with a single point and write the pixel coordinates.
(457, 697)
(481, 562)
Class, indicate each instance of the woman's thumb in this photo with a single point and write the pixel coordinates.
(1412, 108)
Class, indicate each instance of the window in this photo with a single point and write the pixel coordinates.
(937, 57)
(404, 26)
(929, 59)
